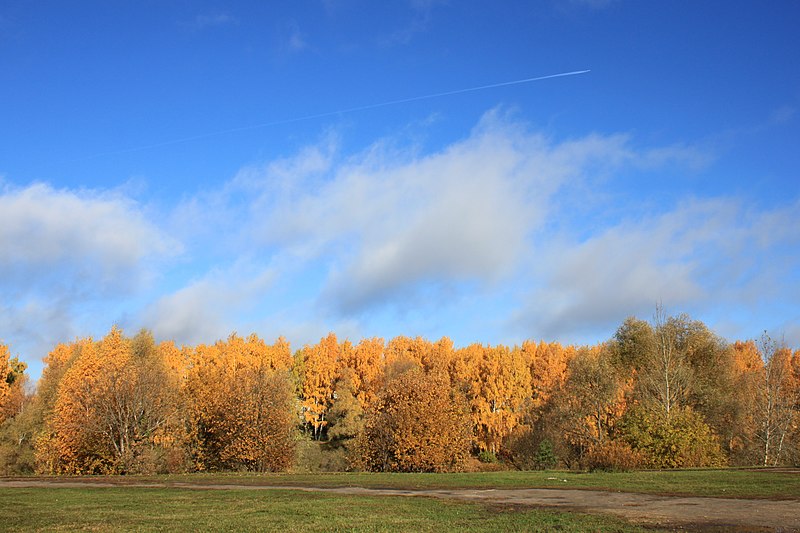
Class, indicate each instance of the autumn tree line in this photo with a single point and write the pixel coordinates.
(660, 394)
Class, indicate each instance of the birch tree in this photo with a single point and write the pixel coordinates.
(777, 400)
(320, 364)
(665, 374)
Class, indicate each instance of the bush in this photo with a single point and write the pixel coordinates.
(612, 456)
(316, 456)
(16, 444)
(419, 424)
(244, 422)
(531, 449)
(485, 456)
(521, 448)
(684, 440)
(545, 456)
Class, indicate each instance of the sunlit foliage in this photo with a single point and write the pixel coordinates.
(419, 424)
(240, 405)
(660, 394)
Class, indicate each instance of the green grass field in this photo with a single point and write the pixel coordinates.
(731, 483)
(141, 509)
(171, 507)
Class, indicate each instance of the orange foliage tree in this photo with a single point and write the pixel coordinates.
(111, 405)
(17, 395)
(404, 352)
(320, 366)
(747, 369)
(498, 383)
(5, 369)
(57, 362)
(12, 384)
(419, 424)
(74, 444)
(241, 406)
(547, 363)
(366, 364)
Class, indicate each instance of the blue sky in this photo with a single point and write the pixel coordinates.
(197, 168)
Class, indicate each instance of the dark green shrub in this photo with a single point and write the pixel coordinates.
(546, 456)
(485, 456)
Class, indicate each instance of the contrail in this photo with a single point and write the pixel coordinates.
(331, 113)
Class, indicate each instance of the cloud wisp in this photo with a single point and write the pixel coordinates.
(205, 21)
(208, 308)
(698, 255)
(101, 238)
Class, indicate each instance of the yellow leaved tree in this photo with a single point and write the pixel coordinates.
(111, 407)
(548, 368)
(5, 391)
(418, 424)
(365, 363)
(241, 406)
(497, 382)
(320, 366)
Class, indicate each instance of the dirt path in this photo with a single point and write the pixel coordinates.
(669, 511)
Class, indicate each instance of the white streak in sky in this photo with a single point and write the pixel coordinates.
(331, 113)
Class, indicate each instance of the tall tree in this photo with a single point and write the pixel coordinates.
(136, 400)
(16, 426)
(548, 368)
(674, 361)
(777, 400)
(241, 406)
(75, 444)
(366, 365)
(748, 367)
(42, 436)
(634, 342)
(346, 415)
(111, 406)
(499, 384)
(404, 352)
(713, 377)
(591, 400)
(320, 367)
(666, 374)
(5, 369)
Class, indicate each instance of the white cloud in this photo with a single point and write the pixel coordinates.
(421, 16)
(290, 40)
(209, 308)
(700, 255)
(388, 220)
(97, 238)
